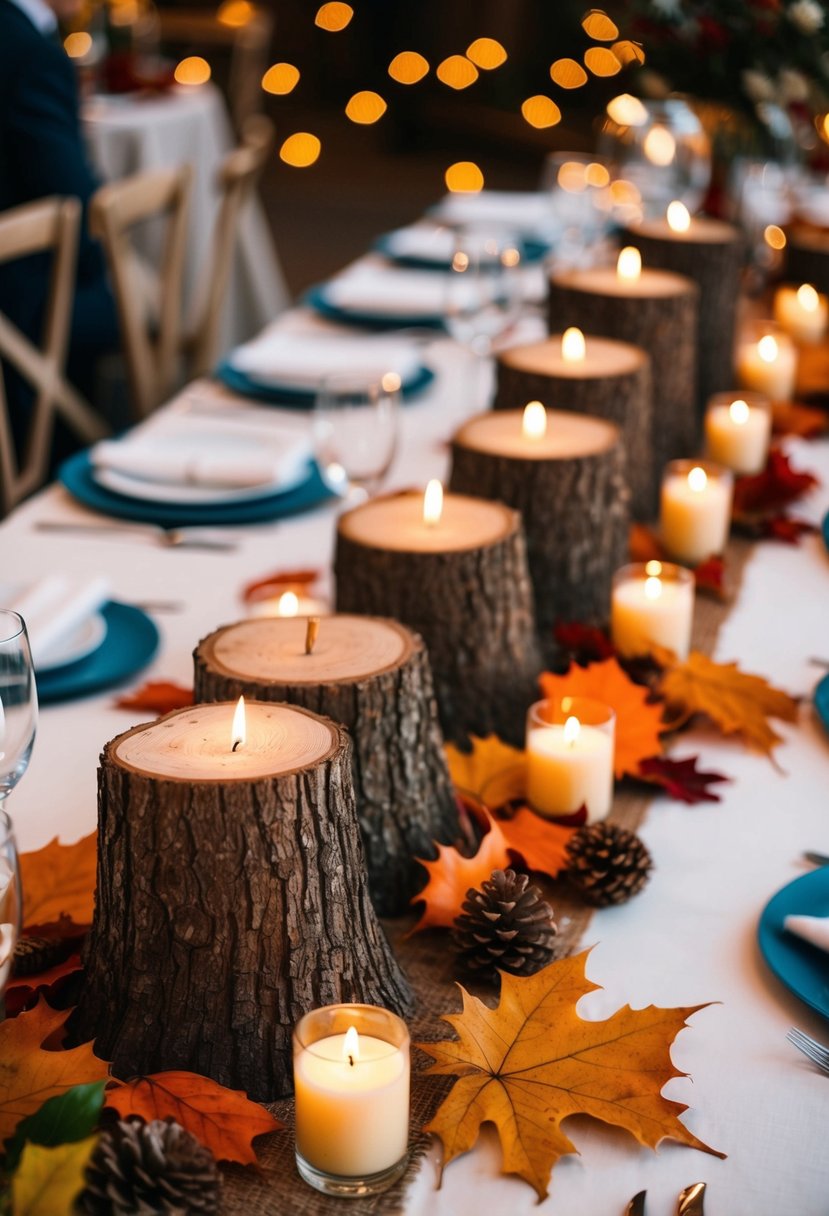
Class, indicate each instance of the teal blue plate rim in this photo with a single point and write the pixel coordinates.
(820, 700)
(824, 527)
(316, 298)
(130, 644)
(800, 966)
(532, 251)
(303, 399)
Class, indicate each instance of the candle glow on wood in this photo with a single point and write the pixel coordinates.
(534, 422)
(433, 503)
(678, 216)
(573, 345)
(629, 263)
(238, 731)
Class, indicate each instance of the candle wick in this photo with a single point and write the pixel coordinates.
(236, 743)
(311, 630)
(351, 1060)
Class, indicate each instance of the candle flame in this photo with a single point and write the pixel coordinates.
(697, 479)
(653, 588)
(678, 216)
(572, 728)
(288, 604)
(807, 298)
(534, 424)
(629, 264)
(738, 412)
(767, 349)
(238, 731)
(433, 503)
(653, 569)
(351, 1046)
(573, 345)
(659, 146)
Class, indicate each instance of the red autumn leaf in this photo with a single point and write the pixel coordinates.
(586, 643)
(786, 528)
(223, 1120)
(681, 778)
(157, 697)
(20, 992)
(709, 576)
(644, 544)
(298, 581)
(777, 487)
(791, 418)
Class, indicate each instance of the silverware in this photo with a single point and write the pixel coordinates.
(169, 538)
(811, 1048)
(817, 859)
(691, 1200)
(636, 1207)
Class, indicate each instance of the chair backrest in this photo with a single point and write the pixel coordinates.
(49, 225)
(237, 180)
(151, 344)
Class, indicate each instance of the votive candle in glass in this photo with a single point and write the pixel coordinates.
(738, 430)
(802, 312)
(569, 747)
(695, 510)
(767, 361)
(652, 605)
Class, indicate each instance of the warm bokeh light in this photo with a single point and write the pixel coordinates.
(540, 111)
(629, 263)
(573, 345)
(433, 503)
(365, 107)
(807, 298)
(464, 177)
(568, 74)
(596, 24)
(390, 382)
(408, 67)
(738, 412)
(653, 568)
(628, 52)
(193, 70)
(624, 193)
(300, 150)
(774, 237)
(457, 72)
(824, 126)
(534, 421)
(124, 12)
(659, 146)
(678, 216)
(596, 175)
(626, 110)
(572, 177)
(601, 62)
(653, 588)
(486, 53)
(78, 44)
(288, 604)
(235, 13)
(767, 348)
(333, 16)
(697, 479)
(280, 78)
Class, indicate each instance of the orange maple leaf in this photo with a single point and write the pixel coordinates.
(491, 772)
(643, 544)
(29, 1075)
(59, 880)
(540, 844)
(223, 1120)
(298, 581)
(638, 723)
(532, 1062)
(157, 696)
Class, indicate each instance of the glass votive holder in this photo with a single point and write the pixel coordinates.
(802, 312)
(570, 744)
(767, 360)
(738, 430)
(695, 510)
(652, 604)
(351, 1082)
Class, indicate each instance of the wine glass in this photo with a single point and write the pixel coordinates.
(581, 200)
(10, 900)
(355, 429)
(18, 701)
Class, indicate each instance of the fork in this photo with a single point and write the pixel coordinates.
(810, 1047)
(169, 538)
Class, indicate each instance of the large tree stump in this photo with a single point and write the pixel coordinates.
(463, 585)
(373, 676)
(612, 381)
(231, 898)
(657, 312)
(570, 488)
(711, 253)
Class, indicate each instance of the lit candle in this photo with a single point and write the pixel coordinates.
(289, 604)
(659, 146)
(695, 510)
(573, 345)
(534, 421)
(570, 757)
(629, 264)
(652, 604)
(802, 312)
(351, 1080)
(239, 731)
(767, 362)
(433, 503)
(738, 431)
(678, 216)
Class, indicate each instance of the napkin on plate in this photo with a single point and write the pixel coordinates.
(814, 929)
(288, 359)
(525, 211)
(53, 607)
(374, 287)
(172, 460)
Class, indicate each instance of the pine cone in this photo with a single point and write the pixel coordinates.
(607, 864)
(506, 925)
(35, 954)
(142, 1168)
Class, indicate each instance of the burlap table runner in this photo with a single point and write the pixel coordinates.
(276, 1190)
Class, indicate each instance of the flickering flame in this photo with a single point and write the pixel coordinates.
(238, 731)
(738, 412)
(572, 729)
(697, 479)
(807, 298)
(653, 569)
(534, 422)
(573, 346)
(659, 146)
(288, 604)
(433, 503)
(767, 349)
(629, 263)
(678, 216)
(653, 588)
(351, 1046)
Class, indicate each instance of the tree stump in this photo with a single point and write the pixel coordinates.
(373, 676)
(711, 253)
(463, 585)
(807, 256)
(231, 898)
(612, 381)
(658, 312)
(570, 488)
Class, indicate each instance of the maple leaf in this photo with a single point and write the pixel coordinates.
(778, 486)
(681, 778)
(451, 875)
(709, 576)
(644, 544)
(586, 643)
(532, 1062)
(540, 844)
(49, 1180)
(638, 722)
(298, 581)
(59, 881)
(491, 772)
(791, 418)
(223, 1120)
(29, 1075)
(785, 528)
(157, 697)
(736, 702)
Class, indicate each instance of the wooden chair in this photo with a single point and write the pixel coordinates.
(151, 346)
(48, 225)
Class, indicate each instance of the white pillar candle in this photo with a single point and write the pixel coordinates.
(802, 312)
(695, 514)
(570, 758)
(652, 604)
(738, 430)
(767, 362)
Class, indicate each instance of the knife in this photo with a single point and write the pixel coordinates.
(636, 1207)
(691, 1200)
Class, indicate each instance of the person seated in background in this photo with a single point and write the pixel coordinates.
(42, 153)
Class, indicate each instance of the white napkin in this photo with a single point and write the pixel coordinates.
(428, 242)
(374, 287)
(305, 360)
(814, 929)
(54, 607)
(151, 458)
(522, 210)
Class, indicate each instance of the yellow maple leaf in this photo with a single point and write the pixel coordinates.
(59, 880)
(492, 772)
(532, 1062)
(49, 1180)
(736, 702)
(638, 723)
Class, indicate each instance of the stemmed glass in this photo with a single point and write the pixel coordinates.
(355, 430)
(18, 701)
(10, 901)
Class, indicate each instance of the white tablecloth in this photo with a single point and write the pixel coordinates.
(128, 134)
(688, 938)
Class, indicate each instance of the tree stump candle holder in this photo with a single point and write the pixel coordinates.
(231, 897)
(606, 379)
(807, 256)
(462, 583)
(373, 676)
(657, 311)
(569, 485)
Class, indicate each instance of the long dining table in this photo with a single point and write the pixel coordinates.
(689, 938)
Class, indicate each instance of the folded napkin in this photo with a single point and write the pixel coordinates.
(304, 360)
(173, 460)
(373, 287)
(523, 211)
(53, 607)
(427, 242)
(814, 929)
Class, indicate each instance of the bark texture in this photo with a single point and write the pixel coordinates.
(807, 259)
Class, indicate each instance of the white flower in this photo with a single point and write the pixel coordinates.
(792, 86)
(757, 85)
(807, 15)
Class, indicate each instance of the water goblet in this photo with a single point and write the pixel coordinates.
(355, 429)
(18, 701)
